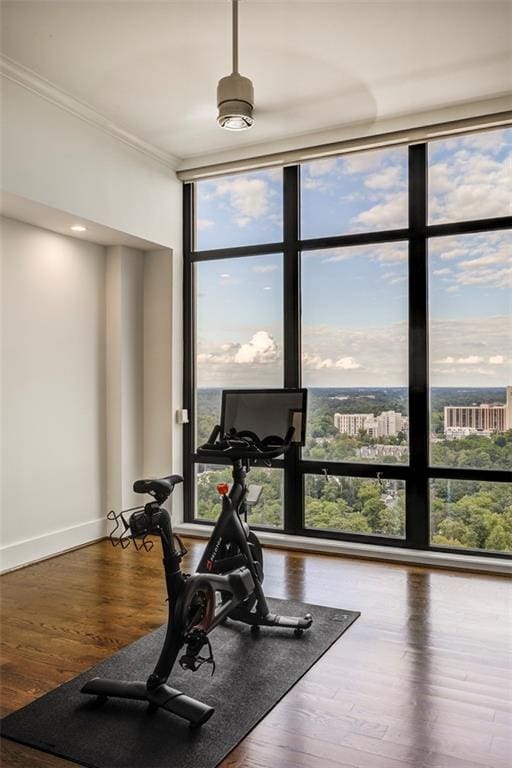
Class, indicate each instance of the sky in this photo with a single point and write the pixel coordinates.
(354, 300)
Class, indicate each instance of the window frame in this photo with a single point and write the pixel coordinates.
(418, 472)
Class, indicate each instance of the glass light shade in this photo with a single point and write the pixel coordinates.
(235, 99)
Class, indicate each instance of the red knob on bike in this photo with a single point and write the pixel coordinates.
(222, 488)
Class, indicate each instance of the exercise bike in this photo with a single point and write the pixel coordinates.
(227, 585)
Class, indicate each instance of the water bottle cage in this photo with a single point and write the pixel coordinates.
(137, 529)
(132, 530)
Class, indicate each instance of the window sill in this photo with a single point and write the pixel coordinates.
(367, 551)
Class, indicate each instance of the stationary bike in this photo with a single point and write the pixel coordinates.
(227, 585)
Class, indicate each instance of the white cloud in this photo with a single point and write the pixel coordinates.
(460, 346)
(266, 268)
(312, 184)
(462, 353)
(445, 271)
(470, 360)
(262, 348)
(497, 277)
(362, 162)
(334, 356)
(250, 198)
(489, 141)
(467, 179)
(478, 259)
(389, 253)
(383, 253)
(322, 167)
(256, 362)
(347, 364)
(483, 261)
(315, 362)
(203, 224)
(391, 213)
(336, 254)
(387, 178)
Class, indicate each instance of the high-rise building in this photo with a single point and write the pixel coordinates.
(473, 419)
(351, 423)
(386, 424)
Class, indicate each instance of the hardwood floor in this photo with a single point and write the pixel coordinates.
(421, 680)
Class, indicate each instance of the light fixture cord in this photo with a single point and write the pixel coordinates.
(235, 36)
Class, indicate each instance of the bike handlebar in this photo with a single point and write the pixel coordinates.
(246, 444)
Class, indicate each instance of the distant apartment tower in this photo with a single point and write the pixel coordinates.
(472, 419)
(386, 424)
(351, 423)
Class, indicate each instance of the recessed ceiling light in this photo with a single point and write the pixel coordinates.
(78, 228)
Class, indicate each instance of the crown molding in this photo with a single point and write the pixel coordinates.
(27, 78)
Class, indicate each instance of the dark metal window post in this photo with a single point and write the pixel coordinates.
(417, 507)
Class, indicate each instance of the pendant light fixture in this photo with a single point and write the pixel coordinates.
(235, 94)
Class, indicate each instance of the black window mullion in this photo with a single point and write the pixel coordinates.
(189, 385)
(359, 238)
(237, 252)
(417, 506)
(293, 496)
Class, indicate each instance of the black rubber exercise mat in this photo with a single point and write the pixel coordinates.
(252, 675)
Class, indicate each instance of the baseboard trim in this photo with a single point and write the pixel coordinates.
(448, 560)
(28, 551)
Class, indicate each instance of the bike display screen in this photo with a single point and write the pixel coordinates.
(265, 412)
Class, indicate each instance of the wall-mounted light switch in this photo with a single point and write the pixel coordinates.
(182, 416)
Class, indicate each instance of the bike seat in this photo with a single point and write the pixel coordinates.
(161, 488)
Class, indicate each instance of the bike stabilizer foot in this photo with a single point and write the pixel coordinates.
(290, 622)
(163, 696)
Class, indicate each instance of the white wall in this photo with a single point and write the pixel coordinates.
(54, 157)
(53, 394)
(125, 374)
(163, 368)
(89, 386)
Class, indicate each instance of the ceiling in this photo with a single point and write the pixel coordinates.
(152, 67)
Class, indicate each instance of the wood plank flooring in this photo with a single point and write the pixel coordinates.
(421, 680)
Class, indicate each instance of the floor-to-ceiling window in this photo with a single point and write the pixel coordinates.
(381, 281)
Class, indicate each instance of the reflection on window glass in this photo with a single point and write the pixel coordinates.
(355, 505)
(242, 209)
(268, 511)
(471, 514)
(354, 361)
(470, 177)
(471, 350)
(239, 331)
(359, 192)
